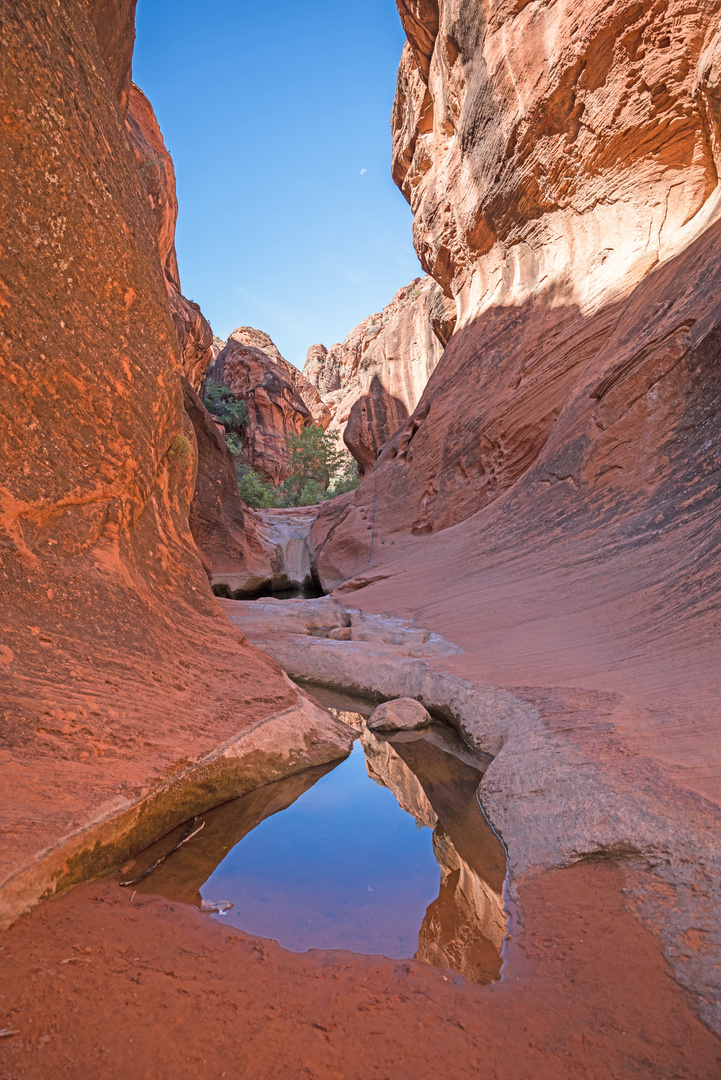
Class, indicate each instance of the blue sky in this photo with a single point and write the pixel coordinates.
(270, 112)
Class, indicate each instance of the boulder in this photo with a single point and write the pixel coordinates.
(403, 714)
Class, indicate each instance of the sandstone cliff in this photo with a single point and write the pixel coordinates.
(232, 549)
(561, 166)
(374, 379)
(280, 400)
(158, 175)
(551, 162)
(119, 673)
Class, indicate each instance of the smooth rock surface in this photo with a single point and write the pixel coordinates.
(374, 379)
(119, 677)
(401, 714)
(158, 176)
(566, 781)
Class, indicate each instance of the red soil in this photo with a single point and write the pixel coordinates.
(98, 985)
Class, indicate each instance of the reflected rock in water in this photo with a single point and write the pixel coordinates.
(182, 876)
(435, 777)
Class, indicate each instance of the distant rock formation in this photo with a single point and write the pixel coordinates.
(280, 400)
(374, 379)
(156, 169)
(232, 549)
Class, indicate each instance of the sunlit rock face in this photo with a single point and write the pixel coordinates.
(280, 400)
(555, 159)
(115, 661)
(158, 175)
(374, 379)
(556, 150)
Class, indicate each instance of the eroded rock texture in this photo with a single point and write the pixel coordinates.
(551, 159)
(117, 667)
(156, 169)
(280, 400)
(561, 165)
(373, 380)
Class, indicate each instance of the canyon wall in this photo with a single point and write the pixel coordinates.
(158, 175)
(560, 472)
(551, 160)
(373, 380)
(280, 400)
(119, 674)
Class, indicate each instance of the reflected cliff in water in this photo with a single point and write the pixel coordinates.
(434, 778)
(386, 852)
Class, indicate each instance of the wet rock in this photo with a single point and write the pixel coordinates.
(565, 784)
(401, 714)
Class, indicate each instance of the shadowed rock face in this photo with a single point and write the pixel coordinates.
(158, 175)
(280, 400)
(374, 379)
(117, 667)
(232, 548)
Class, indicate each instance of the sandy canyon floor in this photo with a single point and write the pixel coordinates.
(97, 984)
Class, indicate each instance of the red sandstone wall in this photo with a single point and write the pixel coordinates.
(114, 659)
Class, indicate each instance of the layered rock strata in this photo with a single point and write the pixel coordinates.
(551, 503)
(280, 400)
(122, 685)
(374, 379)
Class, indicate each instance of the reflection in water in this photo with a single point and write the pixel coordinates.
(352, 864)
(435, 778)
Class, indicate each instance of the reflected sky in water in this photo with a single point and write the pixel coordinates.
(344, 867)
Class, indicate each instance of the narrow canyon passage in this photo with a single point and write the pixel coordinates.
(405, 667)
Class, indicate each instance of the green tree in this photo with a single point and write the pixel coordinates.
(234, 444)
(315, 460)
(347, 479)
(221, 402)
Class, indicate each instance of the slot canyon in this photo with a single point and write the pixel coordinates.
(507, 622)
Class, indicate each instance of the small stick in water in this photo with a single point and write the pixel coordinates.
(188, 836)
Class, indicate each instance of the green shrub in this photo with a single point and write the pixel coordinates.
(180, 448)
(234, 444)
(320, 469)
(347, 479)
(315, 459)
(233, 411)
(254, 490)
